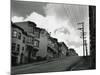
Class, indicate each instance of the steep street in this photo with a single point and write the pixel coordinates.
(61, 64)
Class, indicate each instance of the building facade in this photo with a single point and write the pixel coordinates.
(32, 42)
(63, 49)
(17, 44)
(23, 36)
(72, 52)
(52, 48)
(43, 41)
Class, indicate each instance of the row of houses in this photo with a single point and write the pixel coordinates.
(31, 43)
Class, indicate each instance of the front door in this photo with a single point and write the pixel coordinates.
(21, 59)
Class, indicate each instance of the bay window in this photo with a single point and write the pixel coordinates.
(14, 34)
(36, 43)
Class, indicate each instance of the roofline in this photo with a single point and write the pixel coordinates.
(26, 22)
(63, 43)
(14, 25)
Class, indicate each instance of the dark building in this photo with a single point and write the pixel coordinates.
(92, 22)
(72, 52)
(52, 48)
(63, 49)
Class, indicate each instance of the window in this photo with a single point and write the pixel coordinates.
(31, 28)
(49, 41)
(52, 45)
(37, 33)
(49, 51)
(32, 40)
(19, 35)
(29, 39)
(33, 53)
(14, 34)
(18, 47)
(23, 39)
(13, 46)
(22, 48)
(36, 43)
(42, 32)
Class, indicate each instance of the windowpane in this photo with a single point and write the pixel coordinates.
(23, 39)
(28, 40)
(33, 53)
(13, 46)
(19, 35)
(36, 43)
(22, 48)
(37, 33)
(18, 47)
(32, 40)
(14, 34)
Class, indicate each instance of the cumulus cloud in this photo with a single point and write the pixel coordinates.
(60, 20)
(17, 19)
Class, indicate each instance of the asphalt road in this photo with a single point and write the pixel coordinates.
(84, 64)
(60, 64)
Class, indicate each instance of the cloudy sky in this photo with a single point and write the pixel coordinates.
(59, 19)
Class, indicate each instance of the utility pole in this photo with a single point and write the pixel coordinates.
(86, 48)
(83, 35)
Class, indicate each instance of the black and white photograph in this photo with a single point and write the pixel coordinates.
(52, 37)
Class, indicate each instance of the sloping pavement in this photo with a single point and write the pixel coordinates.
(84, 64)
(55, 65)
